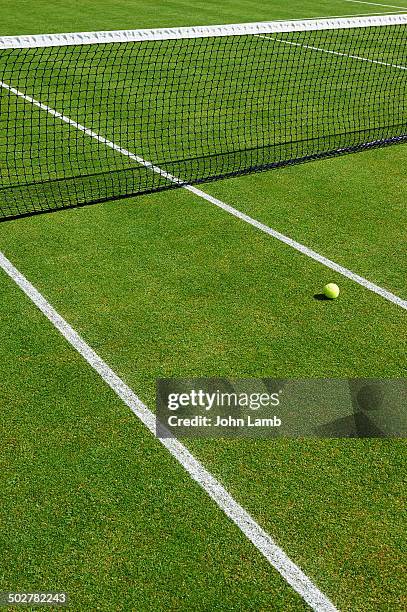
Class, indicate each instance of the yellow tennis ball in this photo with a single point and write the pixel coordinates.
(331, 291)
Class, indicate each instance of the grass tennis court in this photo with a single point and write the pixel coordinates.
(93, 117)
(169, 285)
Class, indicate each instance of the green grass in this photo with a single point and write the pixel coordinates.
(94, 506)
(19, 18)
(169, 273)
(169, 285)
(248, 102)
(350, 209)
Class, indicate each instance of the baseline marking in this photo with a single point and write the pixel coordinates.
(293, 575)
(391, 297)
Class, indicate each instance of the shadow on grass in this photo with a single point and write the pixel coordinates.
(321, 297)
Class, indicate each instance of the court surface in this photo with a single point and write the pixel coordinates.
(216, 281)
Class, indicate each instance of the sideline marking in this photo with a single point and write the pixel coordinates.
(302, 249)
(391, 297)
(356, 57)
(275, 555)
(403, 8)
(385, 13)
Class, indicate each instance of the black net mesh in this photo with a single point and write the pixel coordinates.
(83, 124)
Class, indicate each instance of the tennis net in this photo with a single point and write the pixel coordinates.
(91, 117)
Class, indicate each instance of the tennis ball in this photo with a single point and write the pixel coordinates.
(331, 291)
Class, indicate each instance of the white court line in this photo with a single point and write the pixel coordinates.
(391, 297)
(385, 13)
(359, 15)
(293, 575)
(302, 249)
(261, 540)
(402, 8)
(356, 57)
(88, 132)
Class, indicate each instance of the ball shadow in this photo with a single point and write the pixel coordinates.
(321, 297)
